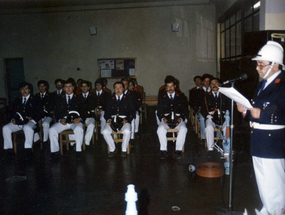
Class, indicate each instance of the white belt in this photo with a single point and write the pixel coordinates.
(256, 125)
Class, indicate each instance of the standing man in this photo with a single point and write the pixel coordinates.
(30, 112)
(267, 122)
(171, 102)
(46, 101)
(63, 106)
(58, 83)
(122, 105)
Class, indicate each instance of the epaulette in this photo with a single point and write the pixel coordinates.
(113, 97)
(277, 80)
(74, 95)
(177, 94)
(164, 96)
(31, 97)
(124, 96)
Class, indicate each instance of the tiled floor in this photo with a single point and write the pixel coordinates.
(97, 184)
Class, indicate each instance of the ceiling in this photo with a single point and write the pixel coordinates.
(9, 4)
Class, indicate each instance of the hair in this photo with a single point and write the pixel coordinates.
(43, 82)
(206, 76)
(99, 81)
(118, 82)
(132, 81)
(85, 82)
(104, 82)
(23, 84)
(70, 81)
(125, 79)
(213, 78)
(58, 80)
(170, 79)
(197, 76)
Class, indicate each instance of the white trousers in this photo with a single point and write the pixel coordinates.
(90, 122)
(135, 125)
(270, 178)
(202, 125)
(28, 131)
(126, 129)
(103, 121)
(162, 132)
(58, 127)
(210, 132)
(46, 125)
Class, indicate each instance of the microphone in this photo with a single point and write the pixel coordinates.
(242, 77)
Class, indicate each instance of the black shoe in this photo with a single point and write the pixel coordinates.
(132, 142)
(162, 155)
(29, 155)
(202, 142)
(179, 154)
(55, 156)
(78, 156)
(112, 154)
(123, 154)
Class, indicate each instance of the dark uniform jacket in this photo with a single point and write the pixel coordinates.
(269, 143)
(62, 109)
(101, 100)
(125, 107)
(136, 97)
(178, 106)
(85, 113)
(210, 104)
(31, 109)
(55, 96)
(47, 103)
(196, 98)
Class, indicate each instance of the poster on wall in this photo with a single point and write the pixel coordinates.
(117, 67)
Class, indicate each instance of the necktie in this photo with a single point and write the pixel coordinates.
(262, 87)
(42, 96)
(171, 98)
(25, 100)
(118, 99)
(216, 97)
(68, 101)
(58, 92)
(85, 96)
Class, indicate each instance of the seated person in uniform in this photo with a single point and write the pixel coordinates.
(86, 97)
(200, 101)
(105, 82)
(119, 105)
(138, 102)
(98, 103)
(46, 100)
(58, 85)
(172, 112)
(213, 110)
(68, 110)
(26, 114)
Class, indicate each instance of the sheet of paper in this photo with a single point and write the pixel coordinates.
(233, 94)
(106, 73)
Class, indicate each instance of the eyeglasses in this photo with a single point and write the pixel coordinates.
(262, 66)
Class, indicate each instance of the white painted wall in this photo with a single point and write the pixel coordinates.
(54, 43)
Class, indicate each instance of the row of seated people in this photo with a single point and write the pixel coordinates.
(209, 107)
(68, 109)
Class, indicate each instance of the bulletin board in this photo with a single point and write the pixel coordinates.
(117, 67)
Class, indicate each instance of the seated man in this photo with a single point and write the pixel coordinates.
(138, 103)
(119, 105)
(136, 100)
(86, 97)
(63, 106)
(200, 101)
(105, 82)
(171, 103)
(97, 104)
(26, 114)
(213, 110)
(58, 85)
(46, 100)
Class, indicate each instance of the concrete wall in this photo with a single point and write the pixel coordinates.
(57, 43)
(274, 15)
